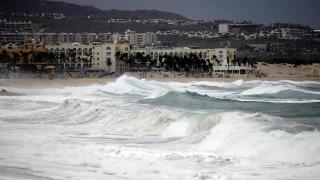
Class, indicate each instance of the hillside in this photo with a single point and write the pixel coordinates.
(72, 10)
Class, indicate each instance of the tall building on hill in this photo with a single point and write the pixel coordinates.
(136, 39)
(15, 26)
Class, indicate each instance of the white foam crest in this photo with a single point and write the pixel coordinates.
(289, 101)
(257, 87)
(300, 82)
(213, 84)
(252, 136)
(57, 94)
(274, 87)
(131, 85)
(268, 89)
(189, 124)
(148, 121)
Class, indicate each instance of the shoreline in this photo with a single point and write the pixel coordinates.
(268, 72)
(103, 81)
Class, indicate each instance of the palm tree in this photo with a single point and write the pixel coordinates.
(244, 61)
(63, 59)
(214, 57)
(25, 57)
(5, 56)
(109, 63)
(16, 57)
(210, 66)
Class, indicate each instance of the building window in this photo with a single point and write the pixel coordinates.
(108, 53)
(97, 59)
(97, 53)
(108, 48)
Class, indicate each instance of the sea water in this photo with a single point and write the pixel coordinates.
(139, 129)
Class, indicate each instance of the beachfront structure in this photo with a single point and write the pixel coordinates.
(95, 56)
(23, 53)
(109, 56)
(223, 59)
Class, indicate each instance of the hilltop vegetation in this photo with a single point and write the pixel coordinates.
(72, 10)
(81, 18)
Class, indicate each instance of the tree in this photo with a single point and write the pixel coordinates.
(214, 57)
(5, 58)
(15, 58)
(109, 63)
(25, 57)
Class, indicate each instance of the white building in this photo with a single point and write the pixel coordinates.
(222, 58)
(223, 28)
(103, 56)
(137, 39)
(95, 56)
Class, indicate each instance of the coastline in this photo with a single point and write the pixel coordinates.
(103, 81)
(273, 72)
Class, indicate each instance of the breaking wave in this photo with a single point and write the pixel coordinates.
(239, 122)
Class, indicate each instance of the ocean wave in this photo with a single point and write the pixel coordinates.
(232, 134)
(153, 89)
(131, 85)
(254, 135)
(268, 88)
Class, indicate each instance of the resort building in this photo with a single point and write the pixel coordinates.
(110, 57)
(224, 60)
(95, 56)
(103, 56)
(218, 56)
(23, 53)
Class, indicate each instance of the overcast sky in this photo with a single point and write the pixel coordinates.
(260, 11)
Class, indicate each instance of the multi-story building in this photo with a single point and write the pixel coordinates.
(54, 38)
(223, 28)
(94, 56)
(288, 33)
(24, 51)
(222, 58)
(136, 39)
(15, 26)
(72, 55)
(290, 26)
(103, 56)
(220, 54)
(246, 28)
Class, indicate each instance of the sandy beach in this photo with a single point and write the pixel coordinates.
(102, 81)
(290, 71)
(273, 72)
